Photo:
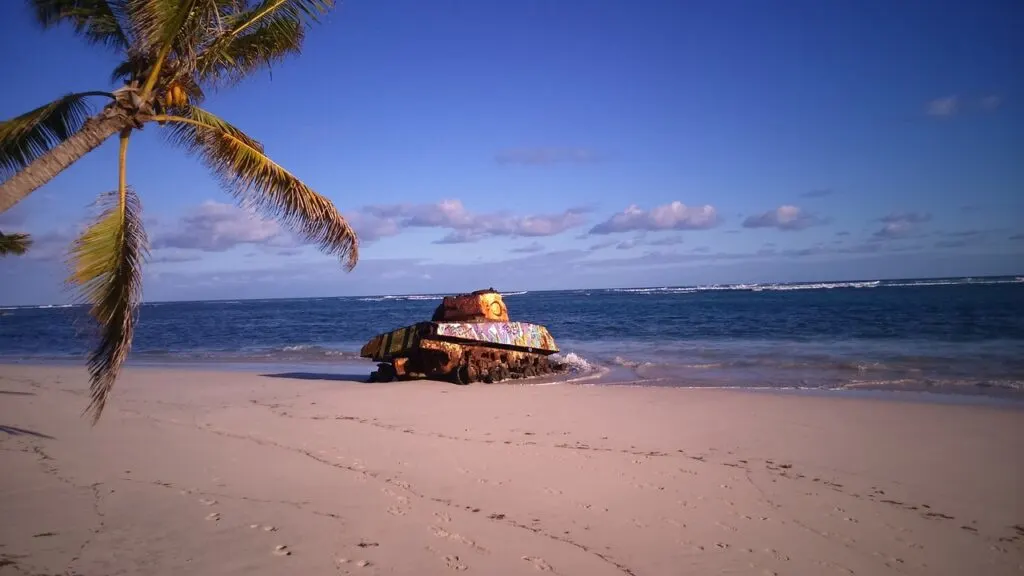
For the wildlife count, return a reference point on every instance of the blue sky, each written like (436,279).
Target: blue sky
(544,145)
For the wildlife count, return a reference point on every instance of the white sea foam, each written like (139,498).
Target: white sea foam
(620,361)
(401,297)
(782,287)
(417,297)
(571,361)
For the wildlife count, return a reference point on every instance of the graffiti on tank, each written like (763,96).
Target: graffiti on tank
(509,333)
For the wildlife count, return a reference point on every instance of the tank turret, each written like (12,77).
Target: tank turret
(479,306)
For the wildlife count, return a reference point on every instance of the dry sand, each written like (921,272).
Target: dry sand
(230,473)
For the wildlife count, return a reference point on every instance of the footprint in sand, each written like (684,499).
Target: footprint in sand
(401,499)
(281,550)
(442,533)
(439,532)
(725,527)
(396,511)
(538,563)
(454,563)
(207,501)
(443,516)
(214,516)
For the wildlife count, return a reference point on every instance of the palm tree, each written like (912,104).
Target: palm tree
(16,244)
(172,52)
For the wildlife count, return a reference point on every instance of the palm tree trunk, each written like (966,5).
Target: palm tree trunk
(93,133)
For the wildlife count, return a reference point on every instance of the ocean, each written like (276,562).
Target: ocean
(960,335)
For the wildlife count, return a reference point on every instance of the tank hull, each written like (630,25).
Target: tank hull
(462,352)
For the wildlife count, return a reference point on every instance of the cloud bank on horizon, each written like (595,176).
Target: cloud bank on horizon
(570,161)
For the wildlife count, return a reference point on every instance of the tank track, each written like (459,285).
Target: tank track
(487,365)
(467,364)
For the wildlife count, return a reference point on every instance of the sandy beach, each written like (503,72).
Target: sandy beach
(232,473)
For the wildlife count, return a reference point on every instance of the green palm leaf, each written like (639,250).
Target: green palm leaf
(98,21)
(29,136)
(159,22)
(247,173)
(257,38)
(14,244)
(106,266)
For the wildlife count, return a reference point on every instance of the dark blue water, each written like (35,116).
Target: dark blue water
(963,335)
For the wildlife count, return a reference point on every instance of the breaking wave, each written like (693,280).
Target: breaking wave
(782,287)
(400,298)
(577,368)
(416,297)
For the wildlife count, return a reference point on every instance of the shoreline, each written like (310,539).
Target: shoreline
(210,472)
(603,376)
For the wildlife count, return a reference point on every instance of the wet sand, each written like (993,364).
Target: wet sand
(195,472)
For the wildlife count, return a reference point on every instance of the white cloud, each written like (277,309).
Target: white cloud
(900,224)
(216,227)
(674,216)
(786,217)
(467,226)
(369,227)
(942,107)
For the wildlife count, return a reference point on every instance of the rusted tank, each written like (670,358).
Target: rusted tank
(468,339)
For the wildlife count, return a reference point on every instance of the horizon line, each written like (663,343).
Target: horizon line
(515,292)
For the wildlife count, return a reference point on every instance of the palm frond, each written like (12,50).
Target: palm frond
(258,38)
(247,173)
(157,22)
(134,67)
(172,31)
(268,9)
(29,136)
(14,244)
(106,267)
(98,21)
(229,61)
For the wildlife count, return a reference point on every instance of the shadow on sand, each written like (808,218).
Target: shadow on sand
(17,393)
(15,431)
(351,378)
